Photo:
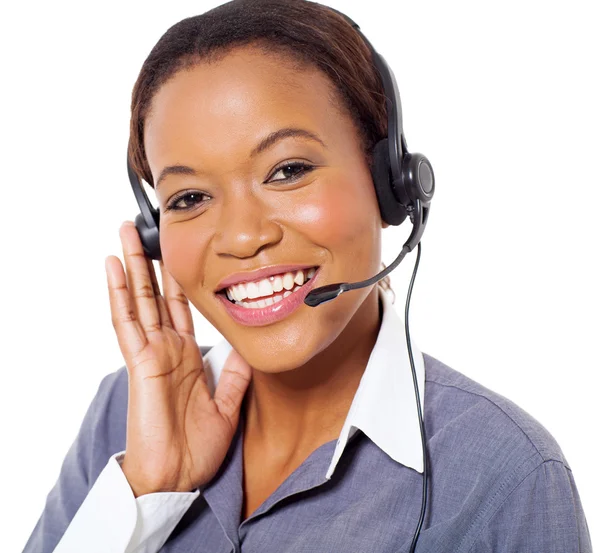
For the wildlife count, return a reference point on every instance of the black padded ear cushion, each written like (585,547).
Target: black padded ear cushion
(149,237)
(392,212)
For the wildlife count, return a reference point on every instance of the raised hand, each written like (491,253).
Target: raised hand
(177,434)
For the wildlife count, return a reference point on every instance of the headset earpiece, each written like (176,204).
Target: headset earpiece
(149,236)
(392,210)
(417,178)
(147,222)
(398,198)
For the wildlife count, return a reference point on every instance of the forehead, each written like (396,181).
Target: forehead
(235,101)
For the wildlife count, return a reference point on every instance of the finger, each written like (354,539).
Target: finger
(130,335)
(179,306)
(165,317)
(138,278)
(233,383)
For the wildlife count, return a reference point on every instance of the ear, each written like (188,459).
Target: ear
(384,224)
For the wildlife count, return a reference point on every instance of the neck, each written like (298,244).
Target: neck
(293,412)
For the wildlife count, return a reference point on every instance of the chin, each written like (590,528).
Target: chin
(267,366)
(281,351)
(277,357)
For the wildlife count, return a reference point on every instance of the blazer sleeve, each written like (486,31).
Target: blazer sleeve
(77,474)
(543,513)
(90,476)
(112,519)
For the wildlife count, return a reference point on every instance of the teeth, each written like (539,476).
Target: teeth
(288,281)
(277,284)
(267,287)
(252,290)
(237,293)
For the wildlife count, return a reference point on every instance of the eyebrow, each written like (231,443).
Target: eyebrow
(263,145)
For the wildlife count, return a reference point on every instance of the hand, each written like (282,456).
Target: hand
(177,434)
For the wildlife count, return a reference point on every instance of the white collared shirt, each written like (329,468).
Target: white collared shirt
(384,408)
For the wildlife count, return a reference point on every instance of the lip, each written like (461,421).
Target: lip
(270,314)
(259,274)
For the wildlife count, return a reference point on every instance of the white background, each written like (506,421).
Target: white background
(503,99)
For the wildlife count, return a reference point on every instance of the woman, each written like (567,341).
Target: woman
(255,124)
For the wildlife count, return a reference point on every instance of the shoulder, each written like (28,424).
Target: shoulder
(113,392)
(109,414)
(483,419)
(498,475)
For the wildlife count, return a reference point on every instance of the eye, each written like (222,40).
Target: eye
(297,168)
(190,198)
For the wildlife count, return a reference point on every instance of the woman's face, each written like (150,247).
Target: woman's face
(245,210)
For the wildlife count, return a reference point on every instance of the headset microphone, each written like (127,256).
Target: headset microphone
(326,293)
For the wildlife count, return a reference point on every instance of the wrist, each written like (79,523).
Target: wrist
(140,487)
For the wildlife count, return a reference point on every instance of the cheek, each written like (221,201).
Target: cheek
(342,216)
(183,254)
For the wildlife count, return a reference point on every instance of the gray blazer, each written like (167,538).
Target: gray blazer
(499,483)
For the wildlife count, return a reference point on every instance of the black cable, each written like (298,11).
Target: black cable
(421,426)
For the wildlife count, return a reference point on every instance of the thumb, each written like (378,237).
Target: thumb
(233,383)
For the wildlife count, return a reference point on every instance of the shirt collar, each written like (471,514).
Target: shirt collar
(384,405)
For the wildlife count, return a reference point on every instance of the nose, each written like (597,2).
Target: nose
(245,226)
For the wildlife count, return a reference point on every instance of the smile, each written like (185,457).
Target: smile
(274,298)
(267,289)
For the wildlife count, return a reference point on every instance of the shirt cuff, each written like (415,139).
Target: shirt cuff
(158,514)
(112,519)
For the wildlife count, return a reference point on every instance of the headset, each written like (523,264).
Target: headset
(404,183)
